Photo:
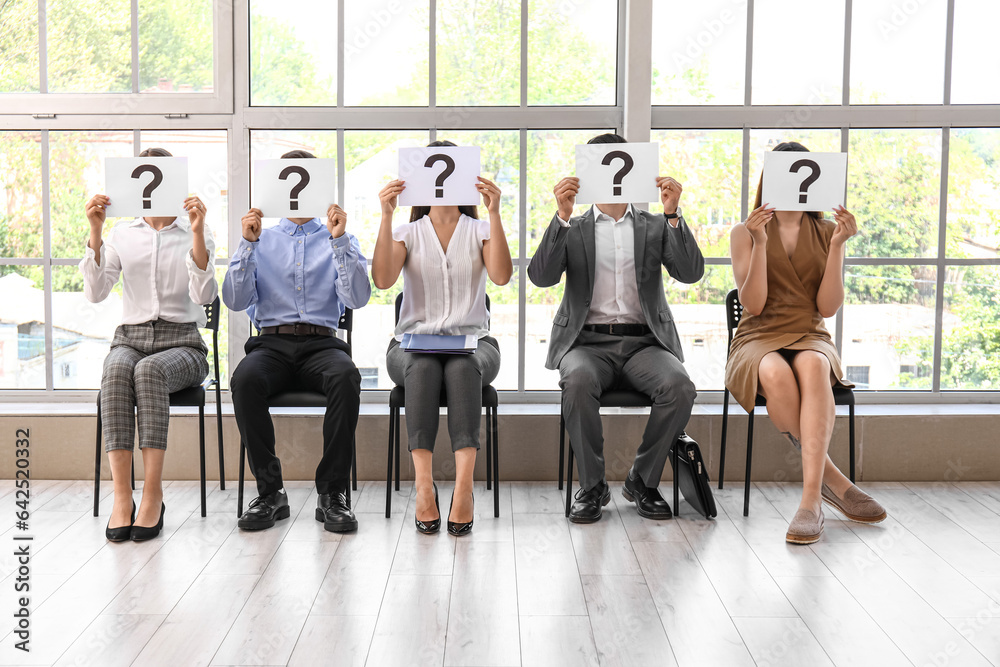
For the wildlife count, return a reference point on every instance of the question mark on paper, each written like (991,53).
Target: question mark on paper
(810,179)
(448,170)
(627,164)
(147,191)
(293,196)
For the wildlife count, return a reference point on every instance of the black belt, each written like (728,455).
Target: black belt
(299,329)
(619,329)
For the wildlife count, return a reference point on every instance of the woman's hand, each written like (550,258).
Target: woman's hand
(847,226)
(490,193)
(389,196)
(196,214)
(756,223)
(96,211)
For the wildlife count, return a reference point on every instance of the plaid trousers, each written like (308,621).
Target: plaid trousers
(146,363)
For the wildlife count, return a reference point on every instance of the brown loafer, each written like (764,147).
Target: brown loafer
(856,505)
(805,527)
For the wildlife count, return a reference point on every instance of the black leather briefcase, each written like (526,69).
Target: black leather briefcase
(692,478)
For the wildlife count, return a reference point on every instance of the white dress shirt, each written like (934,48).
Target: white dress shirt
(443,293)
(616,294)
(161,280)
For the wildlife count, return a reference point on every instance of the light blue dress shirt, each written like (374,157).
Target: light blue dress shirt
(297,273)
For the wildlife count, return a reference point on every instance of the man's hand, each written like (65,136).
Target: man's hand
(252,225)
(565,192)
(96,211)
(196,214)
(847,226)
(670,193)
(336,221)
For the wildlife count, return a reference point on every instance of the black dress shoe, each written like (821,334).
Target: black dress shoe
(335,512)
(143,533)
(649,502)
(264,511)
(459,529)
(121,533)
(589,503)
(434,525)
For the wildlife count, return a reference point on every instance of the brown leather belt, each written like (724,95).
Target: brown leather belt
(619,329)
(299,329)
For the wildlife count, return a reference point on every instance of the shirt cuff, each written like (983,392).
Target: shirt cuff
(341,243)
(192,266)
(563,223)
(245,248)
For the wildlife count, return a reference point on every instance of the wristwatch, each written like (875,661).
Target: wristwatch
(675,214)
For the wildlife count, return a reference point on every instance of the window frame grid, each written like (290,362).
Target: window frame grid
(34,112)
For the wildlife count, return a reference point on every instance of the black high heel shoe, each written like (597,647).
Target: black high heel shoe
(459,529)
(142,533)
(430,527)
(121,533)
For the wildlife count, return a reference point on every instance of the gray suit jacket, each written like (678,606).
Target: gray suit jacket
(571,249)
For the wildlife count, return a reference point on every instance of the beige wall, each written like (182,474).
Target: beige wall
(890,448)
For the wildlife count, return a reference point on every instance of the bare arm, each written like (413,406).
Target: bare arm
(830,296)
(389,255)
(496,253)
(748,247)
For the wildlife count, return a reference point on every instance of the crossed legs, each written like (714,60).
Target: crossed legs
(800,404)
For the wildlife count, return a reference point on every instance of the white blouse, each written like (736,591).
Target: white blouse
(443,293)
(161,279)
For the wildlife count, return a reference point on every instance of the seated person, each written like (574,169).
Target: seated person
(445,254)
(167,273)
(294,280)
(614,329)
(788,267)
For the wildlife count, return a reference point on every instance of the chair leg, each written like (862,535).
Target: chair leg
(133,470)
(851,443)
(239,493)
(201,451)
(222,455)
(489,451)
(393,425)
(354,462)
(725,428)
(746,483)
(562,447)
(674,466)
(97,465)
(496,465)
(397,448)
(569,478)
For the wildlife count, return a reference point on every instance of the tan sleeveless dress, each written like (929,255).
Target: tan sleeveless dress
(790,319)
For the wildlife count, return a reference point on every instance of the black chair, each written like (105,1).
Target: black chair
(841,396)
(305,399)
(613,398)
(397,399)
(190,397)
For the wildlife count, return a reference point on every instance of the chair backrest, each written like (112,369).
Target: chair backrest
(346,323)
(399,304)
(212,315)
(734,312)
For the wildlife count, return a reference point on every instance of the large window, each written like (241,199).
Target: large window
(225,82)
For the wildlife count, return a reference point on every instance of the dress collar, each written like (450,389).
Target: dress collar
(289,227)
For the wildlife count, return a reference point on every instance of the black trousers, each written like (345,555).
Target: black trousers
(276,363)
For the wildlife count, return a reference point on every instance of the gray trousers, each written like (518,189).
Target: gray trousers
(599,362)
(462,375)
(146,363)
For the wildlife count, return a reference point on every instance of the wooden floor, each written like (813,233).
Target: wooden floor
(923,588)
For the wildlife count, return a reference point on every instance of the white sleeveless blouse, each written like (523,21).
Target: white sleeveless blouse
(443,293)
